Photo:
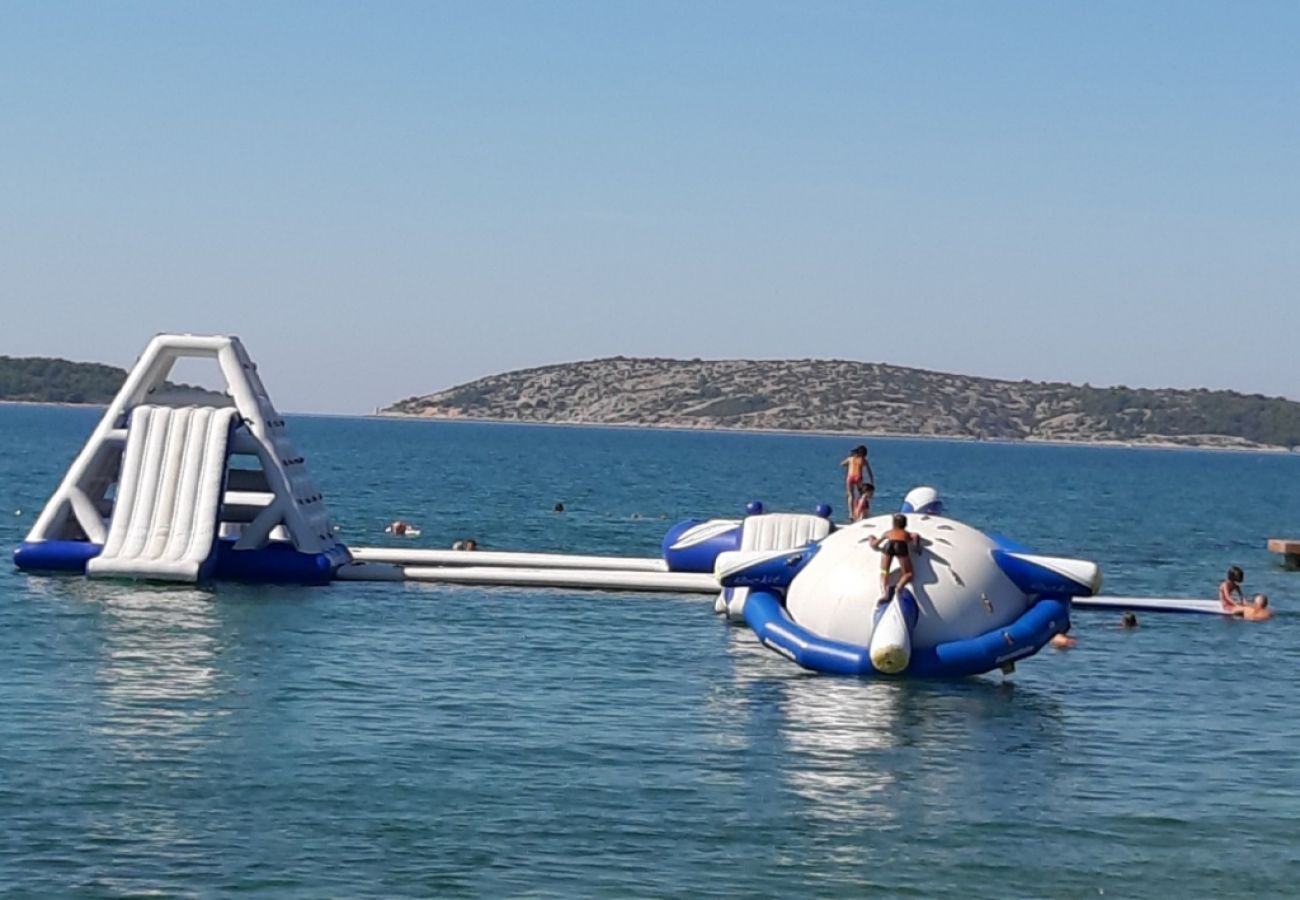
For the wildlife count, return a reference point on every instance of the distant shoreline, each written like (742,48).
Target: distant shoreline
(64,403)
(891,435)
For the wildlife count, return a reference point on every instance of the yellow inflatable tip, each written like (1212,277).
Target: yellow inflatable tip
(890,660)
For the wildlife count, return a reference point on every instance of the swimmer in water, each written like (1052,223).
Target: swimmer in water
(1130,620)
(896,543)
(1063,641)
(1232,586)
(859,473)
(1256,611)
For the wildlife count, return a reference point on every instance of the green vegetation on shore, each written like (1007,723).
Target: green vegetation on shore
(842,395)
(38,379)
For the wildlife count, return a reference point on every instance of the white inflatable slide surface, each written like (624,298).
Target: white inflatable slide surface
(164,524)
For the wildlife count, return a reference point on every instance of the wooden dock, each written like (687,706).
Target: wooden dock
(1290,550)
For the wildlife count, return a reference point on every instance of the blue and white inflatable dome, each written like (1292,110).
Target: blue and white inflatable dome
(975,604)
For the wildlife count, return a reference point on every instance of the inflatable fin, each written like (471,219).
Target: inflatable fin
(736,599)
(924,501)
(700,533)
(769,569)
(720,604)
(1055,575)
(891,639)
(731,603)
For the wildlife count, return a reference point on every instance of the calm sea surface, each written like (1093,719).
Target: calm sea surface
(393,740)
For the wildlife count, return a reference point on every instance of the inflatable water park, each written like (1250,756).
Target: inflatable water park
(167,490)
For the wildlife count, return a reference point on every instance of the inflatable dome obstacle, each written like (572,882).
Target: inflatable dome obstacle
(168,490)
(975,603)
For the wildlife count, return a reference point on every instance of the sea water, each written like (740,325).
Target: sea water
(394,740)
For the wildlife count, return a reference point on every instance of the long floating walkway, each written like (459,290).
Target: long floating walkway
(671,582)
(1151,604)
(477,558)
(506,569)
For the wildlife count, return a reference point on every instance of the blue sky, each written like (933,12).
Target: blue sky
(385,199)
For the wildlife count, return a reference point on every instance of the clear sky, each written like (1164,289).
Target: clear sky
(385,199)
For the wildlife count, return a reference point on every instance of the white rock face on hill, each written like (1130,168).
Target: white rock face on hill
(859,397)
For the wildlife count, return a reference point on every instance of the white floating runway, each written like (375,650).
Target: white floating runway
(1152,604)
(603,580)
(403,556)
(503,569)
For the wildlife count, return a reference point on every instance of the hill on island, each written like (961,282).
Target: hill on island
(39,379)
(862,398)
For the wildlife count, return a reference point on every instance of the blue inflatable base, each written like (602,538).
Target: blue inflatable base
(274,564)
(55,556)
(698,557)
(765,613)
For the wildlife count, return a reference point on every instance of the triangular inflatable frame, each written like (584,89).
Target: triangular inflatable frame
(272,522)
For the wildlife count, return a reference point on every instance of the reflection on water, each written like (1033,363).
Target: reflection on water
(150,691)
(839,736)
(157,666)
(156,649)
(871,753)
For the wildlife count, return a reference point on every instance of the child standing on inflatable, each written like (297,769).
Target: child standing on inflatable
(862,505)
(896,543)
(854,480)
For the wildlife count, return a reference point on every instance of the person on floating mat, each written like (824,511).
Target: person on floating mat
(1232,586)
(859,474)
(896,543)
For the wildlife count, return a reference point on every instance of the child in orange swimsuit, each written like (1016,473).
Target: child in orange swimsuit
(858,467)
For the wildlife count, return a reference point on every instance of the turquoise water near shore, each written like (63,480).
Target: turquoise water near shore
(416,740)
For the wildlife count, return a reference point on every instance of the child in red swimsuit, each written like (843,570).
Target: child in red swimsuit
(862,505)
(1232,585)
(854,481)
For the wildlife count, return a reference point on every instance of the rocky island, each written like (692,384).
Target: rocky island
(818,395)
(43,379)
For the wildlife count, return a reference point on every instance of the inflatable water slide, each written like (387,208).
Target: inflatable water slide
(166,490)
